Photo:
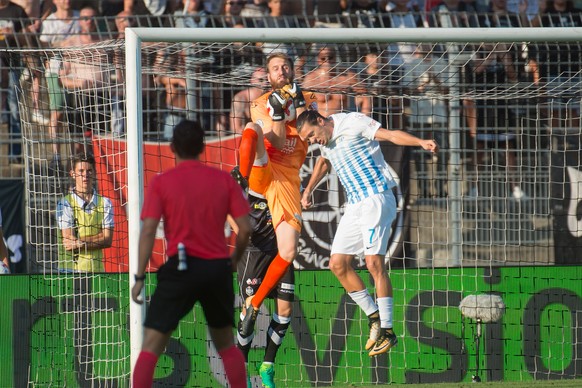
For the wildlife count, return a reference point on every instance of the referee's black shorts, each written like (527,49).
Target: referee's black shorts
(251,270)
(206,281)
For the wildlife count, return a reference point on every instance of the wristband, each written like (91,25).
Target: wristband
(139,278)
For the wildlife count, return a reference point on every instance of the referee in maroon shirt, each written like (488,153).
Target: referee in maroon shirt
(194,200)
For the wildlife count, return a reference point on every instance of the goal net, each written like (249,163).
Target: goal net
(506,120)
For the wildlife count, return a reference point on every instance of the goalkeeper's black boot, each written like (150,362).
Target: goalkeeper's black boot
(241,180)
(247,325)
(387,341)
(375,330)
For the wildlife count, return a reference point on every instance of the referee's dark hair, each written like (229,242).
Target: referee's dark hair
(310,117)
(188,139)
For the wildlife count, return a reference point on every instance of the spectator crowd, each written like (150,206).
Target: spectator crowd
(69,23)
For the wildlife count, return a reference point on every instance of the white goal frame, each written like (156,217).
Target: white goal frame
(136,36)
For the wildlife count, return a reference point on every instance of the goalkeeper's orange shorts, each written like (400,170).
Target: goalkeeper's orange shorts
(280,186)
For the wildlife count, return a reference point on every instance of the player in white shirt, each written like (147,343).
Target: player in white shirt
(349,144)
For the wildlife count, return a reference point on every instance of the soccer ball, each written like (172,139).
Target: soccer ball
(3,268)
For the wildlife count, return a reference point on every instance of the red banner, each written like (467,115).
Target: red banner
(111,158)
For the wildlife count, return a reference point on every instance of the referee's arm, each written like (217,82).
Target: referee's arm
(147,238)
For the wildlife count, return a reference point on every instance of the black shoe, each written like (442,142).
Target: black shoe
(241,180)
(247,325)
(387,341)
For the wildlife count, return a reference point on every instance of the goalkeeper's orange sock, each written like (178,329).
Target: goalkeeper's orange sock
(247,151)
(143,372)
(234,366)
(275,273)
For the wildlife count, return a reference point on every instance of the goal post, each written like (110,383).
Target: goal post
(135,183)
(136,36)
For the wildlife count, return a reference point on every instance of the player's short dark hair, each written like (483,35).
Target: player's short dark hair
(188,139)
(310,117)
(82,157)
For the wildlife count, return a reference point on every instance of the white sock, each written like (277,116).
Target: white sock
(364,300)
(385,307)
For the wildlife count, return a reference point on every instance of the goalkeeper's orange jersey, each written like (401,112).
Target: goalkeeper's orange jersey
(279,180)
(293,153)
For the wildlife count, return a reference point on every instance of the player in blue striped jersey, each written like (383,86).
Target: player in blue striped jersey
(349,144)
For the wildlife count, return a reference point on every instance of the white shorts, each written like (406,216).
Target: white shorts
(365,226)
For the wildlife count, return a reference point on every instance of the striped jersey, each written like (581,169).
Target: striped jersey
(356,157)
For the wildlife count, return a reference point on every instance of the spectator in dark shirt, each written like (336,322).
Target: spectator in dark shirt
(493,123)
(499,16)
(453,13)
(150,13)
(363,13)
(556,66)
(13,21)
(558,62)
(231,12)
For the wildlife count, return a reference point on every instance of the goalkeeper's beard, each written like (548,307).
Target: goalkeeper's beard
(278,85)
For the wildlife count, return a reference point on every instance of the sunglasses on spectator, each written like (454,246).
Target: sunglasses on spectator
(241,3)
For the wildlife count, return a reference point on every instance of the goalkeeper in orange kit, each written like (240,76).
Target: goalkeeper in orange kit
(271,155)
